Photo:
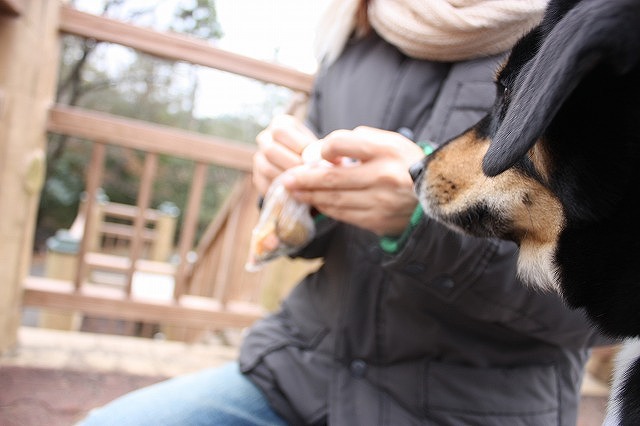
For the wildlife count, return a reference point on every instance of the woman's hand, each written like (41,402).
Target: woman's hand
(374,192)
(279,149)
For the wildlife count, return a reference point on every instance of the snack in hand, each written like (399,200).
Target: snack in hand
(284,226)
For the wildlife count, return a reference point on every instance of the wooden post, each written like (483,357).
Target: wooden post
(188,234)
(162,245)
(96,219)
(28,64)
(61,263)
(139,222)
(94,179)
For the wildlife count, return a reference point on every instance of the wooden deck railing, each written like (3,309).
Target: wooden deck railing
(210,287)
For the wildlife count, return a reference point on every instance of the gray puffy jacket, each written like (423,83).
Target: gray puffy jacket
(439,333)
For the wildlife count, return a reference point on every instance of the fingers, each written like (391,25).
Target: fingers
(356,144)
(279,149)
(372,174)
(382,212)
(332,200)
(372,200)
(264,172)
(279,155)
(367,143)
(376,193)
(291,133)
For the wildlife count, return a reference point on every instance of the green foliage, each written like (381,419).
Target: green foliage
(198,18)
(61,194)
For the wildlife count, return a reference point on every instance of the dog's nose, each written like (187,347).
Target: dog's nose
(416,170)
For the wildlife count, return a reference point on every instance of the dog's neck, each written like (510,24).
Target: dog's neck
(536,266)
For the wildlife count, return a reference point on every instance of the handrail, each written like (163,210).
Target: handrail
(149,137)
(178,47)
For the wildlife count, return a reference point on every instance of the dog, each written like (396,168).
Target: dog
(555,167)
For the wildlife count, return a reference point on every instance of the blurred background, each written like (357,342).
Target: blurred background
(108,77)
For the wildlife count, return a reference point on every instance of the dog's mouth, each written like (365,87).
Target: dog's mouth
(481,221)
(507,207)
(442,196)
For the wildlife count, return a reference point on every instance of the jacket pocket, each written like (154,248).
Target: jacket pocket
(290,362)
(462,395)
(276,332)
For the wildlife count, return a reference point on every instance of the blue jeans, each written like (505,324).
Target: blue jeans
(218,396)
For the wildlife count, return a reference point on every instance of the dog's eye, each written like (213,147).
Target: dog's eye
(503,90)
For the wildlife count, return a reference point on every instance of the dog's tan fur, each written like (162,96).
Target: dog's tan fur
(454,183)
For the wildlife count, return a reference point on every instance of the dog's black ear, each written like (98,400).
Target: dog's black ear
(555,11)
(594,33)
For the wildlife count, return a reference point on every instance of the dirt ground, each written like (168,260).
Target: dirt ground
(53,378)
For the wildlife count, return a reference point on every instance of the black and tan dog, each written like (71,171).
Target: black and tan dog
(555,166)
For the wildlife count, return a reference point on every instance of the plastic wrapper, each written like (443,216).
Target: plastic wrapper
(284,226)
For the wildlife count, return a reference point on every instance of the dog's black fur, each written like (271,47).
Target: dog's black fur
(557,166)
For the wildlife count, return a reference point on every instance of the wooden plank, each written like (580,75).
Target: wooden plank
(222,251)
(149,137)
(245,285)
(104,302)
(114,263)
(127,211)
(94,172)
(125,232)
(29,47)
(153,266)
(215,226)
(178,47)
(230,248)
(187,236)
(107,262)
(139,222)
(11,7)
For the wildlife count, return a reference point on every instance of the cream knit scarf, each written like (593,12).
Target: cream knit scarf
(438,30)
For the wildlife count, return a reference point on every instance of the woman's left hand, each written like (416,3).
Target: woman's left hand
(370,186)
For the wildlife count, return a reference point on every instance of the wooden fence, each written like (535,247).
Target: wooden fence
(211,289)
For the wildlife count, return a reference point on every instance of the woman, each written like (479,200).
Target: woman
(406,322)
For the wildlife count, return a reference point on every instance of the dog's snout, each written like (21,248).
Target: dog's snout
(416,170)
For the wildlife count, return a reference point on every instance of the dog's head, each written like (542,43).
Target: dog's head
(555,166)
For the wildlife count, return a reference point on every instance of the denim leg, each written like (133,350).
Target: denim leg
(219,396)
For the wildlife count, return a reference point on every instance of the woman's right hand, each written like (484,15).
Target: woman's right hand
(280,146)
